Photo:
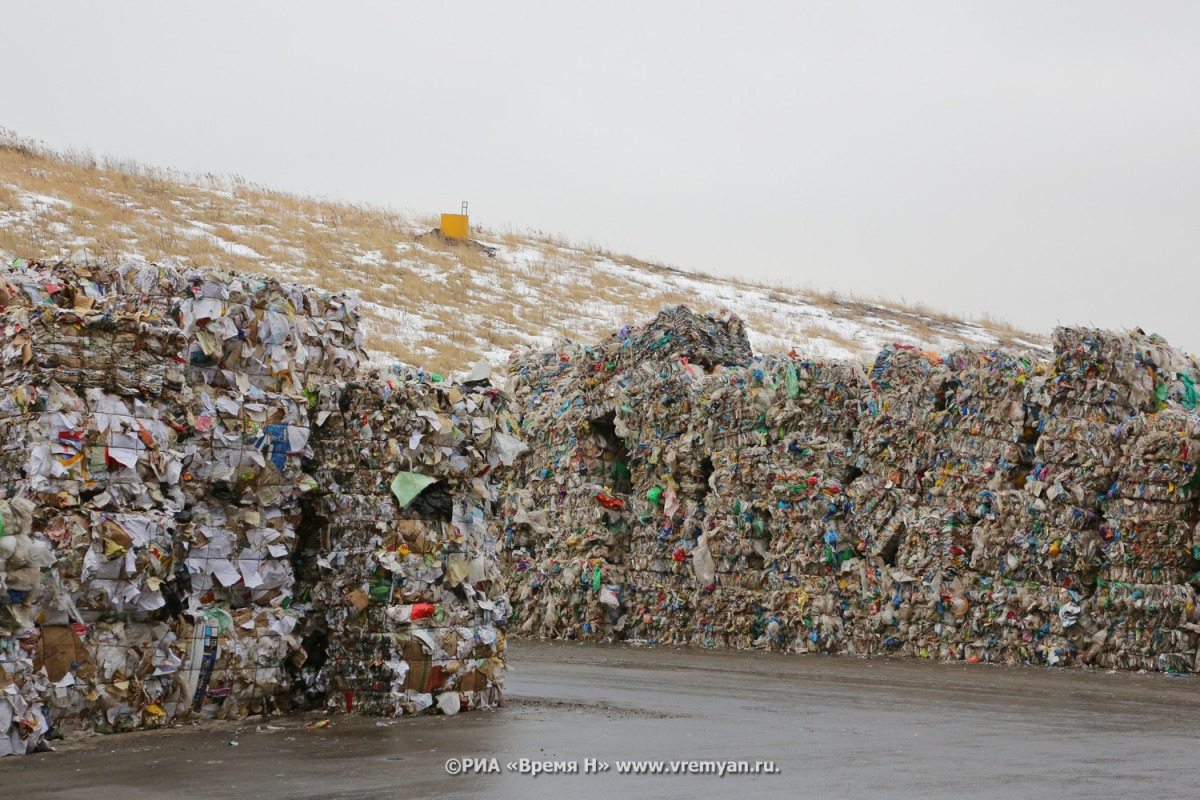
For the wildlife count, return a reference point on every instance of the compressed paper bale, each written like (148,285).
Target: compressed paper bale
(275,336)
(195,480)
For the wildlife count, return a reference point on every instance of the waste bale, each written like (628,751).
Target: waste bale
(1019,541)
(680,333)
(137,327)
(1113,374)
(1150,511)
(979,430)
(952,507)
(406,591)
(24,561)
(160,511)
(1143,626)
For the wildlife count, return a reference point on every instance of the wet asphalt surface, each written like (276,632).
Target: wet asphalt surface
(834,727)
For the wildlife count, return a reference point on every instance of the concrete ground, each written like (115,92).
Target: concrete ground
(834,727)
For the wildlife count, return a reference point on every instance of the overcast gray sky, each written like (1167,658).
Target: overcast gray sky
(1039,161)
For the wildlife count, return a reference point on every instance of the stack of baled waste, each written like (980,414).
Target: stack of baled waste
(1150,509)
(1142,615)
(1092,385)
(1004,575)
(1115,404)
(670,492)
(158,419)
(892,453)
(566,506)
(781,437)
(662,396)
(23,560)
(406,579)
(576,523)
(941,507)
(904,536)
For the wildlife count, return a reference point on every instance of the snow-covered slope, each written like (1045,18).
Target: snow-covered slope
(428,301)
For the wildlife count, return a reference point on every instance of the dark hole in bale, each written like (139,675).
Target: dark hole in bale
(85,495)
(301,671)
(315,645)
(1031,430)
(435,502)
(892,547)
(174,590)
(939,403)
(703,488)
(615,456)
(308,541)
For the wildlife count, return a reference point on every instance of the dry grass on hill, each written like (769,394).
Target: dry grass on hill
(430,301)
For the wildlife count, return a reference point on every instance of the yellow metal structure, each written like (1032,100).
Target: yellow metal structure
(457,226)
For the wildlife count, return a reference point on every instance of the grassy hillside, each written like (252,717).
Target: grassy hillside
(428,301)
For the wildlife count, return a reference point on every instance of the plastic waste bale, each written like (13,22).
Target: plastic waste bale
(977,433)
(1019,542)
(1148,530)
(1142,626)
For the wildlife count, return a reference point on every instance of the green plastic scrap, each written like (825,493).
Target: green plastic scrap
(654,494)
(222,617)
(1190,397)
(407,485)
(793,382)
(380,590)
(619,470)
